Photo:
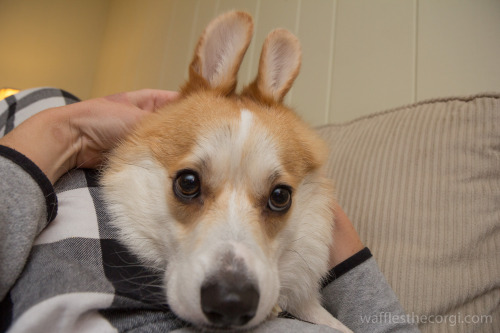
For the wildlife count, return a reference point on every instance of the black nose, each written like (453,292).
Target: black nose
(229,300)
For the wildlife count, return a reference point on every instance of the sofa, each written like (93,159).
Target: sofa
(421,184)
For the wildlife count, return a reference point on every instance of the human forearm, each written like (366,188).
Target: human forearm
(47,139)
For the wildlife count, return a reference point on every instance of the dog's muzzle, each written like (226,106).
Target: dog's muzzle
(230,296)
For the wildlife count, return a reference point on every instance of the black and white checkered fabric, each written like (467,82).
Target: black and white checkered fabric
(76,265)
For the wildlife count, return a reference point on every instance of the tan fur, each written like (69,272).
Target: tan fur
(242,147)
(171,133)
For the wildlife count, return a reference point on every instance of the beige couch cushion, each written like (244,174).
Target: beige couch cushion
(421,183)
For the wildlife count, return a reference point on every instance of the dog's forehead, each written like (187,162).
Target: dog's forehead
(231,137)
(237,149)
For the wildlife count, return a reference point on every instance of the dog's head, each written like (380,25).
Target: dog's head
(223,191)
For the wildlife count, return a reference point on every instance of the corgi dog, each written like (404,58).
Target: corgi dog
(224,193)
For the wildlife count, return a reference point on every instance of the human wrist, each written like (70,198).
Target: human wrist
(346,241)
(48,139)
(346,266)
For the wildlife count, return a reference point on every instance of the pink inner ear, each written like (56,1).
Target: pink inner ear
(223,47)
(280,63)
(284,61)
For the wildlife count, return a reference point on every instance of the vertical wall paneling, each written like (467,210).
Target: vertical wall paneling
(459,47)
(252,55)
(312,88)
(151,44)
(245,5)
(295,30)
(359,56)
(330,72)
(177,46)
(194,33)
(372,58)
(120,48)
(414,53)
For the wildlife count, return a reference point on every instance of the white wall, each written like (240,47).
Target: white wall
(359,56)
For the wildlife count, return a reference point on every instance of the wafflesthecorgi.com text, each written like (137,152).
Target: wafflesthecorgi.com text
(452,319)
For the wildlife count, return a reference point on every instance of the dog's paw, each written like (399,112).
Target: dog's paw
(276,311)
(317,314)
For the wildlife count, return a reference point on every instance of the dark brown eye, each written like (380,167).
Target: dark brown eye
(280,199)
(187,185)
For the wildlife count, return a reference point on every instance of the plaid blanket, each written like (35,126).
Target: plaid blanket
(76,264)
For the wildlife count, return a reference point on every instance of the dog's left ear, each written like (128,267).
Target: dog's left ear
(278,67)
(219,53)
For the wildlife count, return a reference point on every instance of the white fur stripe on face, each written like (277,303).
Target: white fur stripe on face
(246,121)
(225,148)
(236,150)
(245,125)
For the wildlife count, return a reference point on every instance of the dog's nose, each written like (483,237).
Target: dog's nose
(229,300)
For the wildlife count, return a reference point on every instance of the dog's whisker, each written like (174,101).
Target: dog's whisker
(300,256)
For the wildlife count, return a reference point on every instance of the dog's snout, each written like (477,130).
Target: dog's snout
(231,299)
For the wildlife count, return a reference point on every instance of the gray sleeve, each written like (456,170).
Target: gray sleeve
(28,203)
(363,301)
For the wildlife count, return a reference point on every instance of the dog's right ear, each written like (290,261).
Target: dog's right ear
(219,53)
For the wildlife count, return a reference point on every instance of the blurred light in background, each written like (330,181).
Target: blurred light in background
(6,92)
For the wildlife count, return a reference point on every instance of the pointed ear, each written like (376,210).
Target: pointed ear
(278,67)
(219,53)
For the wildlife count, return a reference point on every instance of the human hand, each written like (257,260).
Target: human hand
(346,241)
(102,122)
(77,135)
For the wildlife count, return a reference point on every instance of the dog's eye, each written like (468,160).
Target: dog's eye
(280,199)
(187,185)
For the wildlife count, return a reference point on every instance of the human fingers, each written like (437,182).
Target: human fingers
(151,99)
